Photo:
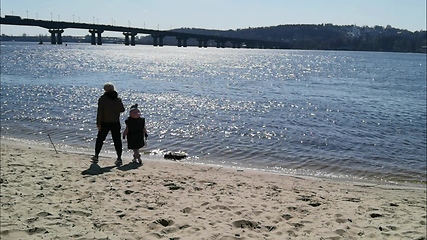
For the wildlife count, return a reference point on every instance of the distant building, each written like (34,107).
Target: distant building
(354,32)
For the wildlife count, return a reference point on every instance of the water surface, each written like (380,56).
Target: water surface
(350,115)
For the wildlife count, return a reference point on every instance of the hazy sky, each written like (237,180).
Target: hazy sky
(215,14)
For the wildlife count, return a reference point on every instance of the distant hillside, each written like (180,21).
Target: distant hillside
(330,37)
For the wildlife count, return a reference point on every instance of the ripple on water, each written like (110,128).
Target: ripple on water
(308,112)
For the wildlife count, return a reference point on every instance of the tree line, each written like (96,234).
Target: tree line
(330,37)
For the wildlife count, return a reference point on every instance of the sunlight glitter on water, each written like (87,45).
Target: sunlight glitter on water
(315,112)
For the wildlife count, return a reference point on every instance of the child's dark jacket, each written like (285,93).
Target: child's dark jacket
(136,132)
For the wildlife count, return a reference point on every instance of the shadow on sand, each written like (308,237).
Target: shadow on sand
(95,169)
(129,166)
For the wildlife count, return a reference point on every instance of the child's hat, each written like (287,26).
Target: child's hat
(134,107)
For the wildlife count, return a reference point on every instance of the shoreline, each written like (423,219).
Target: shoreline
(156,156)
(50,195)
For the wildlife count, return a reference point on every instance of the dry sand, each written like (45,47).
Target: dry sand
(45,195)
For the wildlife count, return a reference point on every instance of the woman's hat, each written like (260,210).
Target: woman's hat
(108,87)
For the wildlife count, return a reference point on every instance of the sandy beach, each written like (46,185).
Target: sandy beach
(49,195)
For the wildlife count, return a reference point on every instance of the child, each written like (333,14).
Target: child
(135,132)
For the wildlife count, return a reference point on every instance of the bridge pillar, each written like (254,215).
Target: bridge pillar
(157,40)
(161,41)
(52,36)
(203,42)
(59,36)
(55,36)
(220,44)
(92,38)
(236,44)
(132,38)
(99,36)
(182,41)
(126,38)
(96,39)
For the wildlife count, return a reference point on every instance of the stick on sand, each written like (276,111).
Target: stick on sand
(52,143)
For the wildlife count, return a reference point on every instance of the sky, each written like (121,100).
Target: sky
(214,14)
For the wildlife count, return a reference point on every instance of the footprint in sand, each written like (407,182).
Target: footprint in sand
(245,224)
(164,222)
(186,210)
(375,215)
(22,234)
(286,216)
(44,214)
(77,212)
(36,230)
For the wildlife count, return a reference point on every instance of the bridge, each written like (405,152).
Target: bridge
(56,29)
